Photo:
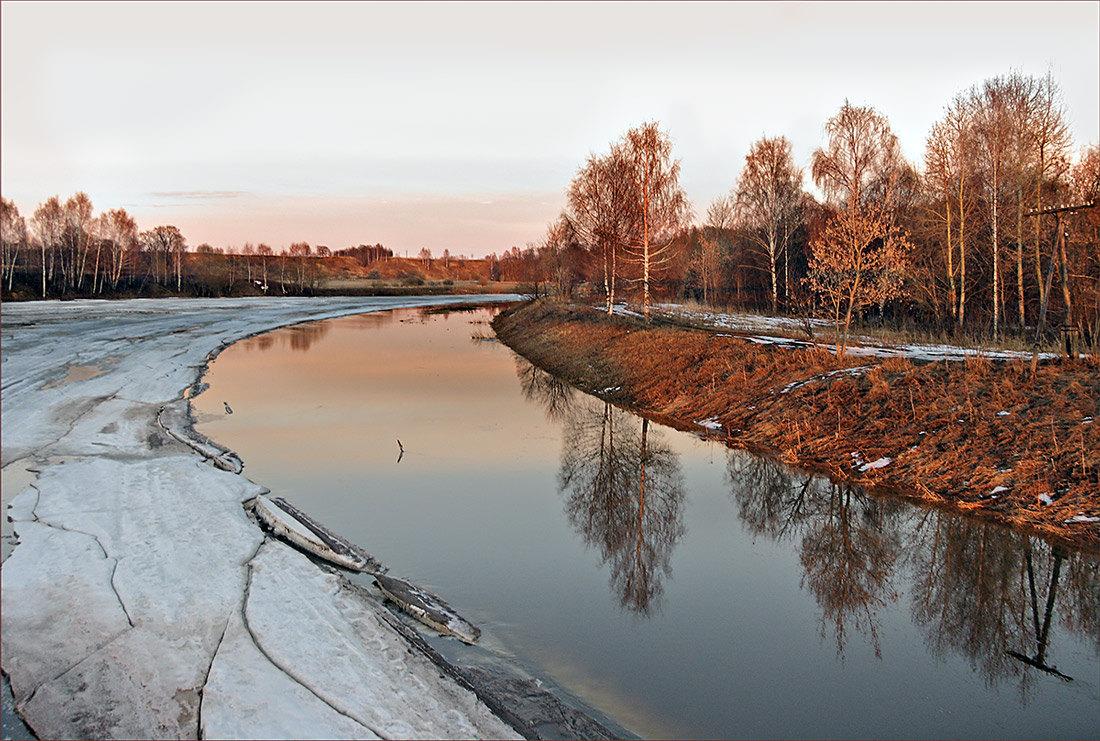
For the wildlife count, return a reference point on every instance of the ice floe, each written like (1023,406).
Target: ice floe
(140,587)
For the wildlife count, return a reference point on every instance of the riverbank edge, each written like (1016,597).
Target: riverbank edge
(522,703)
(80,401)
(982,438)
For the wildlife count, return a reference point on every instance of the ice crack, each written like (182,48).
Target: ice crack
(107,556)
(259,647)
(206,674)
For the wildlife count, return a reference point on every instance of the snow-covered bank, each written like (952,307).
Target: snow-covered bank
(757,328)
(141,601)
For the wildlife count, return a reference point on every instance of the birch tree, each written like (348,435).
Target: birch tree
(769,200)
(48,224)
(13,234)
(993,132)
(168,242)
(119,231)
(597,216)
(655,206)
(77,239)
(948,174)
(1051,141)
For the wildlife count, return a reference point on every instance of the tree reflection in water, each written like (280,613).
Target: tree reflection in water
(849,540)
(553,394)
(993,596)
(624,492)
(299,337)
(977,590)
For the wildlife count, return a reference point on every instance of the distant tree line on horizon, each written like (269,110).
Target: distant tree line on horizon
(963,243)
(65,250)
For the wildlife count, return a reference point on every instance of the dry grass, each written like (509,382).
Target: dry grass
(955,432)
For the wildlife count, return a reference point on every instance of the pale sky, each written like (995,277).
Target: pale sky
(458,125)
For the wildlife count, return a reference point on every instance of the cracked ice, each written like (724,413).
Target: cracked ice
(141,600)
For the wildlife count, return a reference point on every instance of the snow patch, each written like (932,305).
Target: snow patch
(880,463)
(711,423)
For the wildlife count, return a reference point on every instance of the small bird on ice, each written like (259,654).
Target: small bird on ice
(227,409)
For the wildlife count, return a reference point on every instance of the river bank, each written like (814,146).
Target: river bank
(140,600)
(978,436)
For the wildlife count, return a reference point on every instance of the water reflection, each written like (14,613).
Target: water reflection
(623,488)
(554,395)
(624,494)
(299,337)
(992,596)
(979,591)
(558,537)
(849,540)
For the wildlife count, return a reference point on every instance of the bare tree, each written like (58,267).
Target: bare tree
(769,201)
(76,239)
(861,259)
(264,251)
(597,216)
(168,242)
(655,204)
(993,132)
(862,254)
(119,231)
(48,223)
(948,169)
(562,256)
(862,150)
(13,231)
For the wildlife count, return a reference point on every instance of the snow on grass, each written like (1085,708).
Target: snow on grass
(757,327)
(1081,518)
(858,371)
(880,463)
(711,423)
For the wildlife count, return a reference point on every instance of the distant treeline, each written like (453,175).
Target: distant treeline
(67,251)
(995,226)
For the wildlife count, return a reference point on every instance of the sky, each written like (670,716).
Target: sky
(459,125)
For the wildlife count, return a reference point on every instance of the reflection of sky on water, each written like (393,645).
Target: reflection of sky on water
(732,597)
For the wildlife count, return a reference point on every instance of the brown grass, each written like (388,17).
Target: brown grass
(938,422)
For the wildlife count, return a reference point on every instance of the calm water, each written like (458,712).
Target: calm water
(728,596)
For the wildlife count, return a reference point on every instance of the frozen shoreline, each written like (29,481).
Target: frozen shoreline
(141,601)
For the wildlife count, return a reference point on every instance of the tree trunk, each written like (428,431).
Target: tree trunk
(996,265)
(771,268)
(1020,250)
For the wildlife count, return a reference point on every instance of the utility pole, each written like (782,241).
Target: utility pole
(1069,329)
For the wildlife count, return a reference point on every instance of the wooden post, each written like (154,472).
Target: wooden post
(1069,329)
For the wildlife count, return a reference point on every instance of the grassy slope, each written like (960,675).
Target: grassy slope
(938,422)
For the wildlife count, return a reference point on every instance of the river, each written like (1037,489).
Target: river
(678,588)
